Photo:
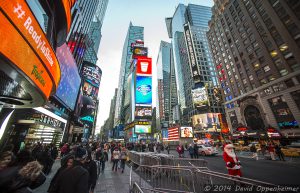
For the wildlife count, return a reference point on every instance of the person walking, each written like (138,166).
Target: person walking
(180,150)
(279,152)
(73,179)
(254,151)
(191,151)
(168,148)
(196,151)
(91,166)
(123,157)
(271,149)
(115,159)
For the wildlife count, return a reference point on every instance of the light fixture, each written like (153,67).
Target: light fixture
(273,53)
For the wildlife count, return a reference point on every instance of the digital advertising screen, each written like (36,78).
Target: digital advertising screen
(143,112)
(70,80)
(140,51)
(90,90)
(140,129)
(91,73)
(144,66)
(186,132)
(143,91)
(200,98)
(206,121)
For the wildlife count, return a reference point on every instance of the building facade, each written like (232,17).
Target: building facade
(134,33)
(193,64)
(255,47)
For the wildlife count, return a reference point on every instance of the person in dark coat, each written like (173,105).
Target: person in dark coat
(91,166)
(73,179)
(191,151)
(19,179)
(196,151)
(279,152)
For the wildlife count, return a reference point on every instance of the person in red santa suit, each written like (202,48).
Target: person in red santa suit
(232,163)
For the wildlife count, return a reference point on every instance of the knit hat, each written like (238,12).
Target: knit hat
(80,153)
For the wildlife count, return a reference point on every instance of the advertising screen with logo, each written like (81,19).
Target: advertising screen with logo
(91,73)
(140,129)
(70,80)
(206,121)
(186,132)
(200,98)
(139,51)
(143,112)
(143,91)
(144,66)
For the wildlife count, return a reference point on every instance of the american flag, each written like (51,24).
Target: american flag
(173,134)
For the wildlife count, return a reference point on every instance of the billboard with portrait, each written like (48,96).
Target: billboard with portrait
(140,129)
(143,90)
(206,121)
(90,90)
(200,98)
(186,132)
(70,80)
(143,112)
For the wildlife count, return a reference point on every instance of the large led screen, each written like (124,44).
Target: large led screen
(144,66)
(143,112)
(91,73)
(140,129)
(90,91)
(70,80)
(143,91)
(207,121)
(200,98)
(186,132)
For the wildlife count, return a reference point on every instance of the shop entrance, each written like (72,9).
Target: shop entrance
(253,118)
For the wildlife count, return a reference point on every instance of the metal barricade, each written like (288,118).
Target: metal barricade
(136,188)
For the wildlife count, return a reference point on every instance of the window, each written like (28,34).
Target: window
(296,96)
(267,68)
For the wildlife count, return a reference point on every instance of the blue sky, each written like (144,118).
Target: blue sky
(151,15)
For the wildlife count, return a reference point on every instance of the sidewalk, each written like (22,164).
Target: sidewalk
(115,182)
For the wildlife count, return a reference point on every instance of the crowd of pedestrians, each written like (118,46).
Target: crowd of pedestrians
(80,166)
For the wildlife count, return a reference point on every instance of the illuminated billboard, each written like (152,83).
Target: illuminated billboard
(68,87)
(140,129)
(143,90)
(139,51)
(200,98)
(206,121)
(143,112)
(144,66)
(90,91)
(22,40)
(186,132)
(91,73)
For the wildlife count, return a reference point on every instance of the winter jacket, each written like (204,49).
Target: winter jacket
(91,167)
(74,179)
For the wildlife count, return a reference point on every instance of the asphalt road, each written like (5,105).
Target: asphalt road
(275,172)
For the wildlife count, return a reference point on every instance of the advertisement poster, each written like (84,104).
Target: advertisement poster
(143,91)
(206,121)
(164,134)
(139,129)
(140,51)
(144,66)
(90,91)
(200,98)
(70,80)
(143,112)
(91,73)
(186,132)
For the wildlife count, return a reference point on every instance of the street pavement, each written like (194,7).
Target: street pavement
(108,181)
(276,172)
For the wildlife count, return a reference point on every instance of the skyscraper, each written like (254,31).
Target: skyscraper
(256,46)
(193,63)
(134,33)
(164,84)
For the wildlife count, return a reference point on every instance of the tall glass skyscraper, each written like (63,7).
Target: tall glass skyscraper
(134,33)
(193,64)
